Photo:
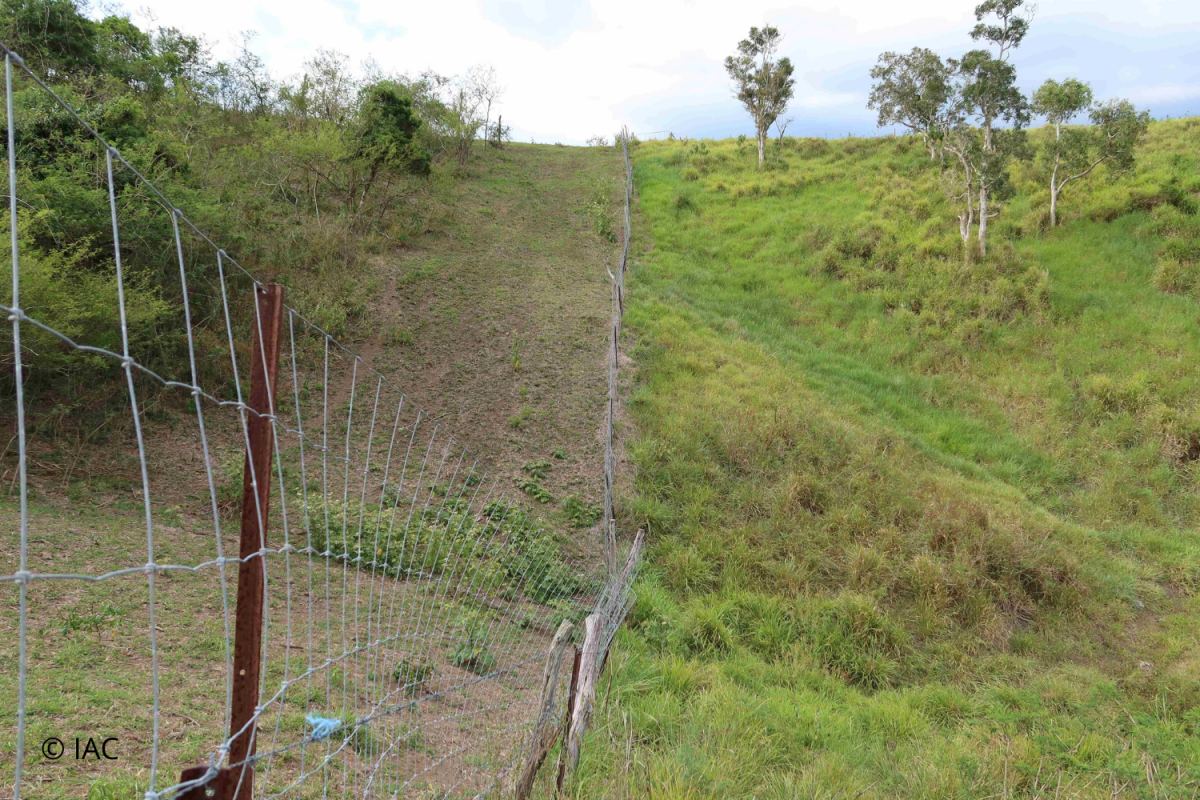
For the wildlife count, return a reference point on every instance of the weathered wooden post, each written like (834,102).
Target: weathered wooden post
(585,699)
(571,693)
(545,730)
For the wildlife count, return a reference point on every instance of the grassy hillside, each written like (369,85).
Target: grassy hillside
(922,527)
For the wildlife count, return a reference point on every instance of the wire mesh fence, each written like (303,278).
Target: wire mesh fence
(309,586)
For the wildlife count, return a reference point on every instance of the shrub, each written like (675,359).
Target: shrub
(855,638)
(686,570)
(1176,277)
(471,653)
(579,513)
(65,289)
(683,203)
(704,629)
(534,489)
(412,677)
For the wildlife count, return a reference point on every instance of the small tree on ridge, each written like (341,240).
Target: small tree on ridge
(763,84)
(913,89)
(1075,152)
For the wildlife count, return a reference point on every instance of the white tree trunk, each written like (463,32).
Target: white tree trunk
(762,137)
(983,220)
(1055,188)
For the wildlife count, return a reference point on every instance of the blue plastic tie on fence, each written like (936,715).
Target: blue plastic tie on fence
(322,727)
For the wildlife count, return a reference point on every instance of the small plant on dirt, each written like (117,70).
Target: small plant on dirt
(599,209)
(537,470)
(413,739)
(496,510)
(397,336)
(472,653)
(534,489)
(519,421)
(514,353)
(106,616)
(560,453)
(361,737)
(579,513)
(413,678)
(229,482)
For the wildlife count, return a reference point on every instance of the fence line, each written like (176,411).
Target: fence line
(473,586)
(614,356)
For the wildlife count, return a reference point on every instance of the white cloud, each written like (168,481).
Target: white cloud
(575,68)
(1167,94)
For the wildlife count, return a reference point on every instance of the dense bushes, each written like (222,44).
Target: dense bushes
(300,181)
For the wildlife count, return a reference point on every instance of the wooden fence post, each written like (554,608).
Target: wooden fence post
(589,660)
(256,497)
(545,731)
(571,693)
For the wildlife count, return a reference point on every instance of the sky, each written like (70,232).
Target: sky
(578,68)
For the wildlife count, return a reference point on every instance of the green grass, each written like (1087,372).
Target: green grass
(921,526)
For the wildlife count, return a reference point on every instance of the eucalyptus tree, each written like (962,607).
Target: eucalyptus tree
(988,98)
(913,90)
(1074,153)
(1008,29)
(762,82)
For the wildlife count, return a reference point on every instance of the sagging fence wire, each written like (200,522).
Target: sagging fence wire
(385,636)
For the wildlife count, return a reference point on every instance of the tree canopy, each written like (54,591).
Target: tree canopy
(913,90)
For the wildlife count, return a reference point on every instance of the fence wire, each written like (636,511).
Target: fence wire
(408,599)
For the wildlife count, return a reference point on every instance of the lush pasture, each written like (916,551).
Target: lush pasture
(922,525)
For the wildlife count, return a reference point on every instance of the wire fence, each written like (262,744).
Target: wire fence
(385,635)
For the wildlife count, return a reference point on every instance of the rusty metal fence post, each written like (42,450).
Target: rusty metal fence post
(237,782)
(256,499)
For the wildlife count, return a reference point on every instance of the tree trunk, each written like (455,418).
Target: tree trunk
(1054,190)
(930,145)
(983,220)
(761,144)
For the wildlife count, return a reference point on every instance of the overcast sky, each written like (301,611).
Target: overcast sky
(575,68)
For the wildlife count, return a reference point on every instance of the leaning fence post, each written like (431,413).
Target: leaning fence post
(256,496)
(571,694)
(585,696)
(545,731)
